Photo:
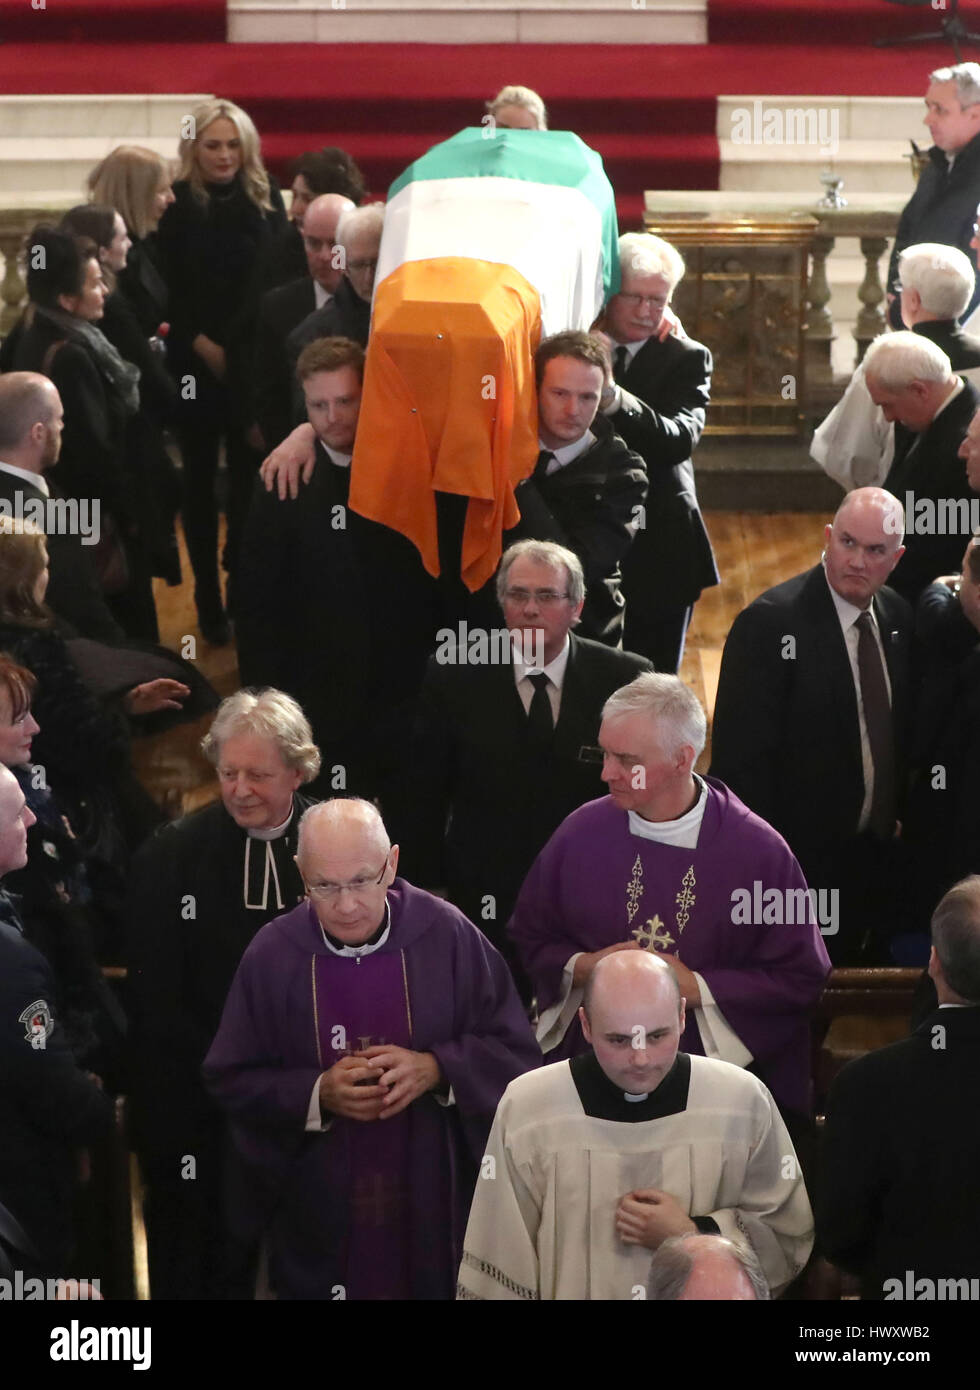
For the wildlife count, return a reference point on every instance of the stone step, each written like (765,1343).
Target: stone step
(30,167)
(468,21)
(131,119)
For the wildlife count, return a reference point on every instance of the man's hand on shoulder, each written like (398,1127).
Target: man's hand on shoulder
(350,1088)
(406,1075)
(292,460)
(649,1217)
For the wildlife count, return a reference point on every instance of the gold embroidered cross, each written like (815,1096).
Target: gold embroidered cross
(650,938)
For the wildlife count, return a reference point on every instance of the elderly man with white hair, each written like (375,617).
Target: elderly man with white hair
(705,1268)
(812,718)
(199,891)
(942,208)
(368,1036)
(855,444)
(674,863)
(913,382)
(656,401)
(348,314)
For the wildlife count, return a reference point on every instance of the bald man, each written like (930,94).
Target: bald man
(594,1163)
(367,1038)
(811,720)
(699,1269)
(284,308)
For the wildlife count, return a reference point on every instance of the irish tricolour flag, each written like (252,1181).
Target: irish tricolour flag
(491,240)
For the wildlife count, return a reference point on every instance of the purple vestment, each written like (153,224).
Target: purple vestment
(595,883)
(436,985)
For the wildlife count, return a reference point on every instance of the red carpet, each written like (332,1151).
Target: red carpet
(113,21)
(653,122)
(822,22)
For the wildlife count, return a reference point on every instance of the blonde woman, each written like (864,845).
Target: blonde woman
(136,183)
(225,212)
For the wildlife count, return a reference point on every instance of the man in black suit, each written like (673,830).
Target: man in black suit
(897,1203)
(333,606)
(283,308)
(31,419)
(911,380)
(943,206)
(588,489)
(505,742)
(656,401)
(811,717)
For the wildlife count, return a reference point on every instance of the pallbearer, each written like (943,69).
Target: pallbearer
(367,1039)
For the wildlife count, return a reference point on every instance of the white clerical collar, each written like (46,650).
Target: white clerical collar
(555,669)
(568,452)
(35,479)
(335,456)
(321,295)
(683,831)
(631,348)
(276,833)
(633,1099)
(368,946)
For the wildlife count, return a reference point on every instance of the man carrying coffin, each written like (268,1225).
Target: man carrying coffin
(594,1163)
(367,1039)
(675,863)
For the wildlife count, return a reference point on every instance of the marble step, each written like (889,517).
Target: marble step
(131,119)
(468,21)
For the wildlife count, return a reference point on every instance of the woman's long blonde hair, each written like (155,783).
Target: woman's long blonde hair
(254,177)
(127,180)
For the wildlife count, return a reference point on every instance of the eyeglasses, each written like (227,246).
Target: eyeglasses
(356,885)
(656,301)
(544,598)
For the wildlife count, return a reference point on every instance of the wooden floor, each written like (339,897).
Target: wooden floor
(754,551)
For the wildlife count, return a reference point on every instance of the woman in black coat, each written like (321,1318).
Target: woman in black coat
(58,336)
(225,213)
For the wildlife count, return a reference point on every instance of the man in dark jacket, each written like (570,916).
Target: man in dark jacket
(656,401)
(943,206)
(811,718)
(49,1107)
(588,488)
(897,1203)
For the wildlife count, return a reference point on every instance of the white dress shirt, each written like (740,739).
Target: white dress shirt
(35,479)
(848,615)
(555,671)
(567,453)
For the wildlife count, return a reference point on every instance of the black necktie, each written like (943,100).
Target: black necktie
(620,365)
(541,467)
(540,719)
(878,722)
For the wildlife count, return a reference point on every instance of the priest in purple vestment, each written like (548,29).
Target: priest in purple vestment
(367,1038)
(675,863)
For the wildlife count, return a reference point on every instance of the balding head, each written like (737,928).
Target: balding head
(701,1268)
(15,820)
(863,544)
(320,223)
(633,1015)
(30,421)
(348,863)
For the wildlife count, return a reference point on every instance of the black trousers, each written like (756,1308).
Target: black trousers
(202,424)
(660,640)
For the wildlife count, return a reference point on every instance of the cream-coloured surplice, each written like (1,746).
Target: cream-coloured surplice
(542,1224)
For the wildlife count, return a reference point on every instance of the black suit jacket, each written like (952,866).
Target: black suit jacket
(901,1152)
(280,310)
(592,506)
(786,736)
(74,592)
(472,762)
(931,471)
(942,208)
(667,389)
